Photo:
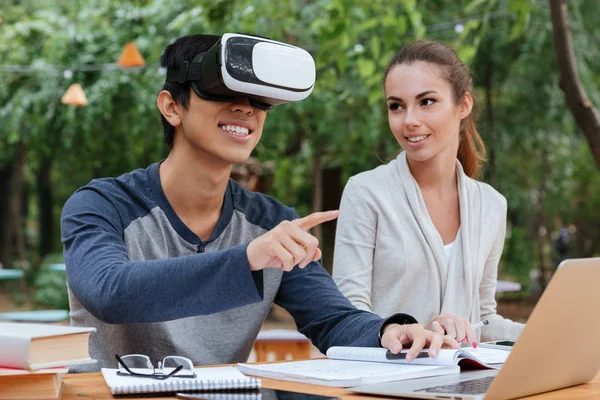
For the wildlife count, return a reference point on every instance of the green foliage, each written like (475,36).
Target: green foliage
(50,290)
(543,165)
(522,9)
(584,201)
(518,257)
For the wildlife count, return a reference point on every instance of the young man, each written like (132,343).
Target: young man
(177,259)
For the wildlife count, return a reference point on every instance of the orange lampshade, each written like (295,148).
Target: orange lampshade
(74,96)
(131,57)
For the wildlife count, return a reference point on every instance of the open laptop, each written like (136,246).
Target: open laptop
(559,347)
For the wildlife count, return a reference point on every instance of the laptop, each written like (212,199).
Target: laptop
(559,347)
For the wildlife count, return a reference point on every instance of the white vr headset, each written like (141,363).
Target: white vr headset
(265,71)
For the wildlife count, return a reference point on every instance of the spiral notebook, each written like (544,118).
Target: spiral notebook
(207,379)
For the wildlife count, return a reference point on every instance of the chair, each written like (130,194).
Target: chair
(36,316)
(283,343)
(6,274)
(58,268)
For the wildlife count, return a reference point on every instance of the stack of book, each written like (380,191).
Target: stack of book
(34,357)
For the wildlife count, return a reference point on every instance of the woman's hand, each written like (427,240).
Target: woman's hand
(455,327)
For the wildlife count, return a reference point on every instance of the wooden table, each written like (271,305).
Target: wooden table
(91,386)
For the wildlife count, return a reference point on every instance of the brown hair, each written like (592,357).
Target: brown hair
(471,150)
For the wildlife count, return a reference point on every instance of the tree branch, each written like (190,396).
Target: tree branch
(585,114)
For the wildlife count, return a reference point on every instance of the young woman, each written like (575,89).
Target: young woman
(420,232)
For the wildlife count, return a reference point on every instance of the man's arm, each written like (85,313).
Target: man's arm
(319,309)
(117,290)
(322,313)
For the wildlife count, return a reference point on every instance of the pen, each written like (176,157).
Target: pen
(480,324)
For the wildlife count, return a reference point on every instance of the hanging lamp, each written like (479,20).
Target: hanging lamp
(74,96)
(131,57)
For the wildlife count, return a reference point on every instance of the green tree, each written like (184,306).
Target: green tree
(47,150)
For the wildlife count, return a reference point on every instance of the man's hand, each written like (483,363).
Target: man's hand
(288,244)
(454,326)
(396,337)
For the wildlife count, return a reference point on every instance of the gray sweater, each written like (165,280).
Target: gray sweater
(150,285)
(389,257)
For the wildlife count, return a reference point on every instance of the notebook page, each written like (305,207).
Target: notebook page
(488,356)
(342,372)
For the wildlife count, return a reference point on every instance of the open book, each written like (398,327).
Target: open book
(343,373)
(467,357)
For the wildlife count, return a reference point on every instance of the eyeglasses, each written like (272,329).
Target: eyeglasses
(139,365)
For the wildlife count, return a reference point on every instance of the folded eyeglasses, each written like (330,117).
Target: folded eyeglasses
(139,365)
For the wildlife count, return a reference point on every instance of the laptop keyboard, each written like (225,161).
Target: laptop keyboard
(475,386)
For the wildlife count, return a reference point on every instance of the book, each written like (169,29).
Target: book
(262,394)
(39,346)
(343,373)
(20,384)
(466,357)
(207,379)
(222,395)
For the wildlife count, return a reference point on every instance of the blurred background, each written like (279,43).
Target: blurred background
(540,156)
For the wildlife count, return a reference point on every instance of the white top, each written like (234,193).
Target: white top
(448,248)
(390,258)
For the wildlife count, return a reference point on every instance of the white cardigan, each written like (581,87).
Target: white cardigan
(389,257)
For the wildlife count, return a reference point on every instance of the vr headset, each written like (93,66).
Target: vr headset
(265,71)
